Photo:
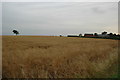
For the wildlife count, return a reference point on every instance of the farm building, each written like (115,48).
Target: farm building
(103,35)
(72,36)
(88,35)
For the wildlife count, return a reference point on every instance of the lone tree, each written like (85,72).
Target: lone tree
(15,32)
(60,35)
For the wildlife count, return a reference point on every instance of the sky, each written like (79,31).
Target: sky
(55,18)
(60,0)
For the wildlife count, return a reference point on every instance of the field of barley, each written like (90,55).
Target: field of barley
(58,57)
(0,57)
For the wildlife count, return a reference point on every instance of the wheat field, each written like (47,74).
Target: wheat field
(58,57)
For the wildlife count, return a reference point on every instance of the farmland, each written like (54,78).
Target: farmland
(58,57)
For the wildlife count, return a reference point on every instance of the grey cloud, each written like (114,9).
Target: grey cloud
(58,18)
(98,10)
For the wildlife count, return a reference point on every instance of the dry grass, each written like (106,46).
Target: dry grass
(58,57)
(0,57)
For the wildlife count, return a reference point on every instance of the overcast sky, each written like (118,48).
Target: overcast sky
(55,18)
(60,0)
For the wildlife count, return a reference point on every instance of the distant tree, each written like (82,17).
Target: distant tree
(110,34)
(114,34)
(104,33)
(95,34)
(15,32)
(118,35)
(80,35)
(60,35)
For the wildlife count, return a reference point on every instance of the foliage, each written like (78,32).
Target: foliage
(15,32)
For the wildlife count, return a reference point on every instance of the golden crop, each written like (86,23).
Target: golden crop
(58,57)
